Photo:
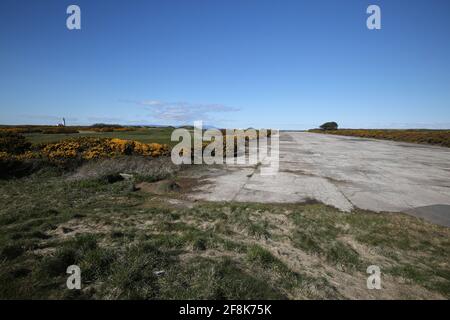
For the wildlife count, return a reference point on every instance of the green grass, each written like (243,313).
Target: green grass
(133,245)
(145,135)
(222,278)
(317,232)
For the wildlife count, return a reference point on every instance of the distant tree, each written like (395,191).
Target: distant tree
(329,126)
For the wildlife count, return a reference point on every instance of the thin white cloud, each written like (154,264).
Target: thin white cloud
(182,112)
(100,119)
(151,102)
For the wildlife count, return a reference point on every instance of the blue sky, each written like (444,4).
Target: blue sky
(280,64)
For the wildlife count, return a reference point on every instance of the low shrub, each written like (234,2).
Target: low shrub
(96,148)
(39,129)
(233,135)
(71,153)
(436,137)
(13,143)
(104,127)
(21,129)
(15,168)
(142,168)
(56,130)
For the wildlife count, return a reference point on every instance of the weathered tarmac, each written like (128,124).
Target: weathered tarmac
(344,172)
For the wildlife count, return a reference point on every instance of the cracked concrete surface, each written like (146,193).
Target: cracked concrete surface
(343,172)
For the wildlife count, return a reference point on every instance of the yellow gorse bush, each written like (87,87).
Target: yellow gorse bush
(61,150)
(230,141)
(91,148)
(23,156)
(438,137)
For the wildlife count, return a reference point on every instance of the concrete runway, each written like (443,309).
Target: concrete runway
(344,172)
